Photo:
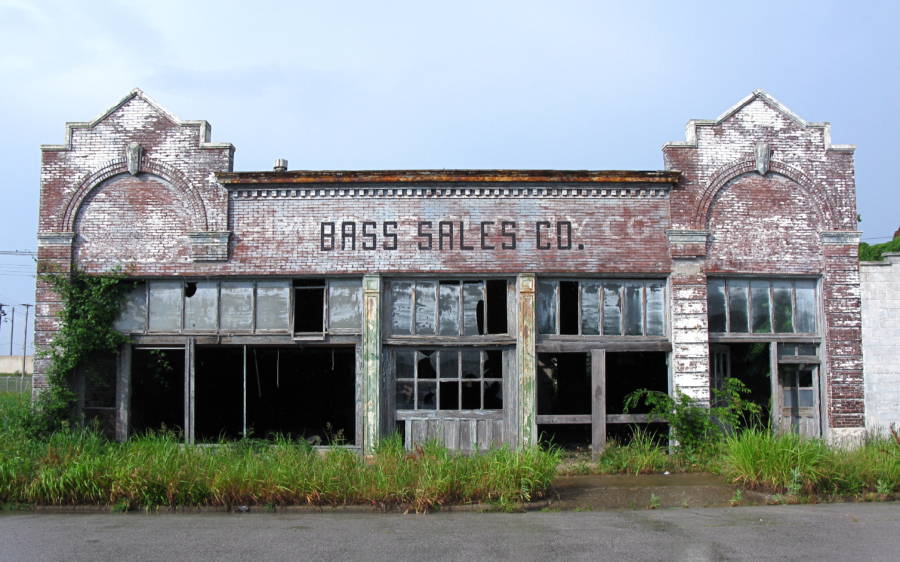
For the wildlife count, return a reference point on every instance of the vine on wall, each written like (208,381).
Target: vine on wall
(91,304)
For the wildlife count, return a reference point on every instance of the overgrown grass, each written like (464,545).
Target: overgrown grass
(794,465)
(78,466)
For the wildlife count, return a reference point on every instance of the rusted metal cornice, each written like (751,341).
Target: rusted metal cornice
(431,176)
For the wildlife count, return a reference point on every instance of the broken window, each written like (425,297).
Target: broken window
(448,308)
(449,379)
(595,307)
(309,306)
(762,306)
(263,392)
(201,305)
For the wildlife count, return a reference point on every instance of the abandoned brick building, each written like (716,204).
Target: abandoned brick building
(472,306)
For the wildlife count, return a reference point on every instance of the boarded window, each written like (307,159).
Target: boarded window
(165,306)
(201,305)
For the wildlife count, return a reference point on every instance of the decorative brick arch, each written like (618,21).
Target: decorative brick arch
(149,166)
(748,165)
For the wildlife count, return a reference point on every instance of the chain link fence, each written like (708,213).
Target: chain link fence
(15,384)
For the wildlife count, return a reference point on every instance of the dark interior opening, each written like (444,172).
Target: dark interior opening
(296,392)
(157,390)
(309,308)
(750,365)
(571,437)
(564,383)
(568,307)
(624,433)
(190,289)
(630,371)
(218,393)
(496,299)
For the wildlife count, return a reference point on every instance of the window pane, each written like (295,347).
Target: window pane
(633,309)
(272,305)
(133,316)
(805,397)
(715,302)
(427,395)
(759,294)
(471,364)
(405,395)
(426,367)
(471,395)
(309,309)
(345,304)
(473,308)
(612,309)
(806,306)
(656,313)
(237,305)
(493,364)
(449,313)
(201,305)
(449,364)
(590,308)
(546,306)
(493,395)
(425,307)
(737,306)
(782,307)
(165,305)
(404,364)
(401,307)
(449,395)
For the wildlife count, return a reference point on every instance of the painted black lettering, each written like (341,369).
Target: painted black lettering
(370,239)
(389,235)
(508,230)
(564,229)
(424,244)
(462,237)
(484,235)
(538,225)
(348,232)
(445,231)
(326,237)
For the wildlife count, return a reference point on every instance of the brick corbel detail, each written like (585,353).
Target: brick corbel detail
(209,246)
(687,243)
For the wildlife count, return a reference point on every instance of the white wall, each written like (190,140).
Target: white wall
(880,285)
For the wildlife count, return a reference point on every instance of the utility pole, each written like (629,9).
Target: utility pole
(25,337)
(12,328)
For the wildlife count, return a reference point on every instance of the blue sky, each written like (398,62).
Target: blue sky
(517,84)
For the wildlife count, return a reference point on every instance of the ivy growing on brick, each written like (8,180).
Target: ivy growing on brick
(91,304)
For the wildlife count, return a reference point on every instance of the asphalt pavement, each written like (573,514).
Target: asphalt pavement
(857,531)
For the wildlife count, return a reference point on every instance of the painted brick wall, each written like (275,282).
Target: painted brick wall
(798,217)
(880,284)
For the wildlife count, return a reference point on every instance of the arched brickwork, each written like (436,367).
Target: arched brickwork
(171,175)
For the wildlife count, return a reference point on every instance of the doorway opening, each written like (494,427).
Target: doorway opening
(749,363)
(157,390)
(564,400)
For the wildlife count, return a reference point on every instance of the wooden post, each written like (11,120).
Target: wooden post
(123,393)
(371,375)
(189,391)
(598,401)
(526,360)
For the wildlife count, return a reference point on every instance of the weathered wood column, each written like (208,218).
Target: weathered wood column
(371,364)
(526,360)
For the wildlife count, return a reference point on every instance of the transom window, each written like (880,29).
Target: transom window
(448,307)
(449,379)
(762,306)
(593,307)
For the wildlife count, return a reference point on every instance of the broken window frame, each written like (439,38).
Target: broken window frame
(414,283)
(140,323)
(727,284)
(601,284)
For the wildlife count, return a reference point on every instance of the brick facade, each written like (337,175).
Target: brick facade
(757,192)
